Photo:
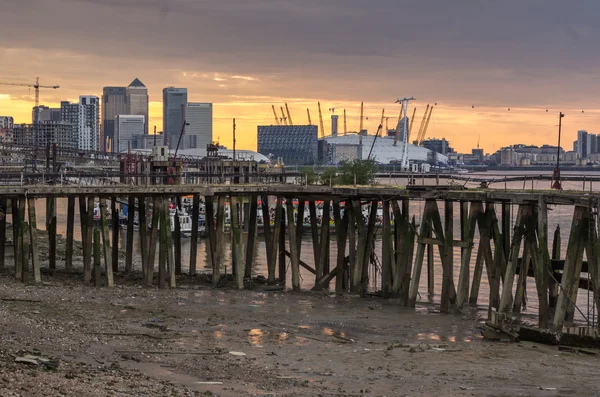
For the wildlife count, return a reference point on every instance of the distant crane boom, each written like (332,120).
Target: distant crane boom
(283,118)
(426,125)
(410,127)
(345,126)
(308,114)
(36,86)
(288,115)
(321,120)
(275,114)
(398,127)
(360,129)
(420,133)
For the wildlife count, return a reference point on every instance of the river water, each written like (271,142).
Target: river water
(557,216)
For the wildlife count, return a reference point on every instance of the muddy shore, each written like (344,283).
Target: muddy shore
(139,341)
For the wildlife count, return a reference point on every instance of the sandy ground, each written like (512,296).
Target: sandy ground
(137,341)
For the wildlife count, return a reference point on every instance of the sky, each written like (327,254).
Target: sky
(475,58)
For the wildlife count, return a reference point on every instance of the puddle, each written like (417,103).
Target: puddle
(166,374)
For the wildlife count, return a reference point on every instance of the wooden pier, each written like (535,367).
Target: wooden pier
(510,250)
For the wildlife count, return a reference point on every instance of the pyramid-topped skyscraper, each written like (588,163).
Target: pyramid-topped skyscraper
(137,100)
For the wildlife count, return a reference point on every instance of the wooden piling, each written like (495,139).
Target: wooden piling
(177,234)
(143,228)
(477,273)
(541,263)
(3,216)
(351,243)
(362,244)
(170,253)
(447,256)
(51,227)
(275,242)
(428,210)
(314,231)
(468,226)
(97,259)
(364,282)
(219,235)
(509,275)
(251,241)
(115,234)
(321,266)
(236,243)
(386,251)
(573,259)
(267,232)
(17,242)
(24,231)
(149,265)
(70,233)
(106,244)
(282,262)
(212,238)
(35,258)
(341,228)
(194,237)
(129,242)
(293,244)
(300,224)
(520,291)
(553,287)
(163,218)
(23,234)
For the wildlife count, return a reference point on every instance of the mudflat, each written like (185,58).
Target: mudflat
(131,340)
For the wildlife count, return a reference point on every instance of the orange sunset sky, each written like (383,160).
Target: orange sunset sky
(246,56)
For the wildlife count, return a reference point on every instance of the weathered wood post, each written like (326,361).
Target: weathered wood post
(3,215)
(51,226)
(115,234)
(282,262)
(70,233)
(553,285)
(177,234)
(170,254)
(541,263)
(275,242)
(268,235)
(428,210)
(364,282)
(17,242)
(106,244)
(293,244)
(129,242)
(24,231)
(386,250)
(341,229)
(469,220)
(97,259)
(511,267)
(314,231)
(194,237)
(150,257)
(35,258)
(89,231)
(362,243)
(448,255)
(236,243)
(220,233)
(321,267)
(143,226)
(163,218)
(251,242)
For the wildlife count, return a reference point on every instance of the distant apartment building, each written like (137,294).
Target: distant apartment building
(6,128)
(296,144)
(44,113)
(173,101)
(85,116)
(41,134)
(586,144)
(198,134)
(137,101)
(6,122)
(441,146)
(114,103)
(128,127)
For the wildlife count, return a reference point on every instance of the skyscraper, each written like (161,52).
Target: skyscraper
(114,103)
(85,116)
(137,101)
(128,127)
(173,99)
(198,133)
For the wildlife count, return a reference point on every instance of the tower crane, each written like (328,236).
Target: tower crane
(308,114)
(36,86)
(288,115)
(422,124)
(398,127)
(275,114)
(426,125)
(321,120)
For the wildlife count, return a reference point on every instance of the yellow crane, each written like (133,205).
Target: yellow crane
(398,127)
(411,125)
(288,115)
(426,125)
(275,114)
(308,114)
(321,120)
(422,124)
(283,118)
(345,126)
(361,124)
(35,86)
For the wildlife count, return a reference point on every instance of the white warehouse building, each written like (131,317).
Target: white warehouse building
(342,148)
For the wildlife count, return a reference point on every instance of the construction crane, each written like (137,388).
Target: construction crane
(412,120)
(426,125)
(275,114)
(288,115)
(345,125)
(283,118)
(360,129)
(422,124)
(36,86)
(398,127)
(321,120)
(308,114)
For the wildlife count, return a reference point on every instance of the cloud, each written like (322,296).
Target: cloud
(247,78)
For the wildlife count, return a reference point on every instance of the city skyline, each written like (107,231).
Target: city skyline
(475,61)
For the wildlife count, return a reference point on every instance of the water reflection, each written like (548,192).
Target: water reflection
(255,336)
